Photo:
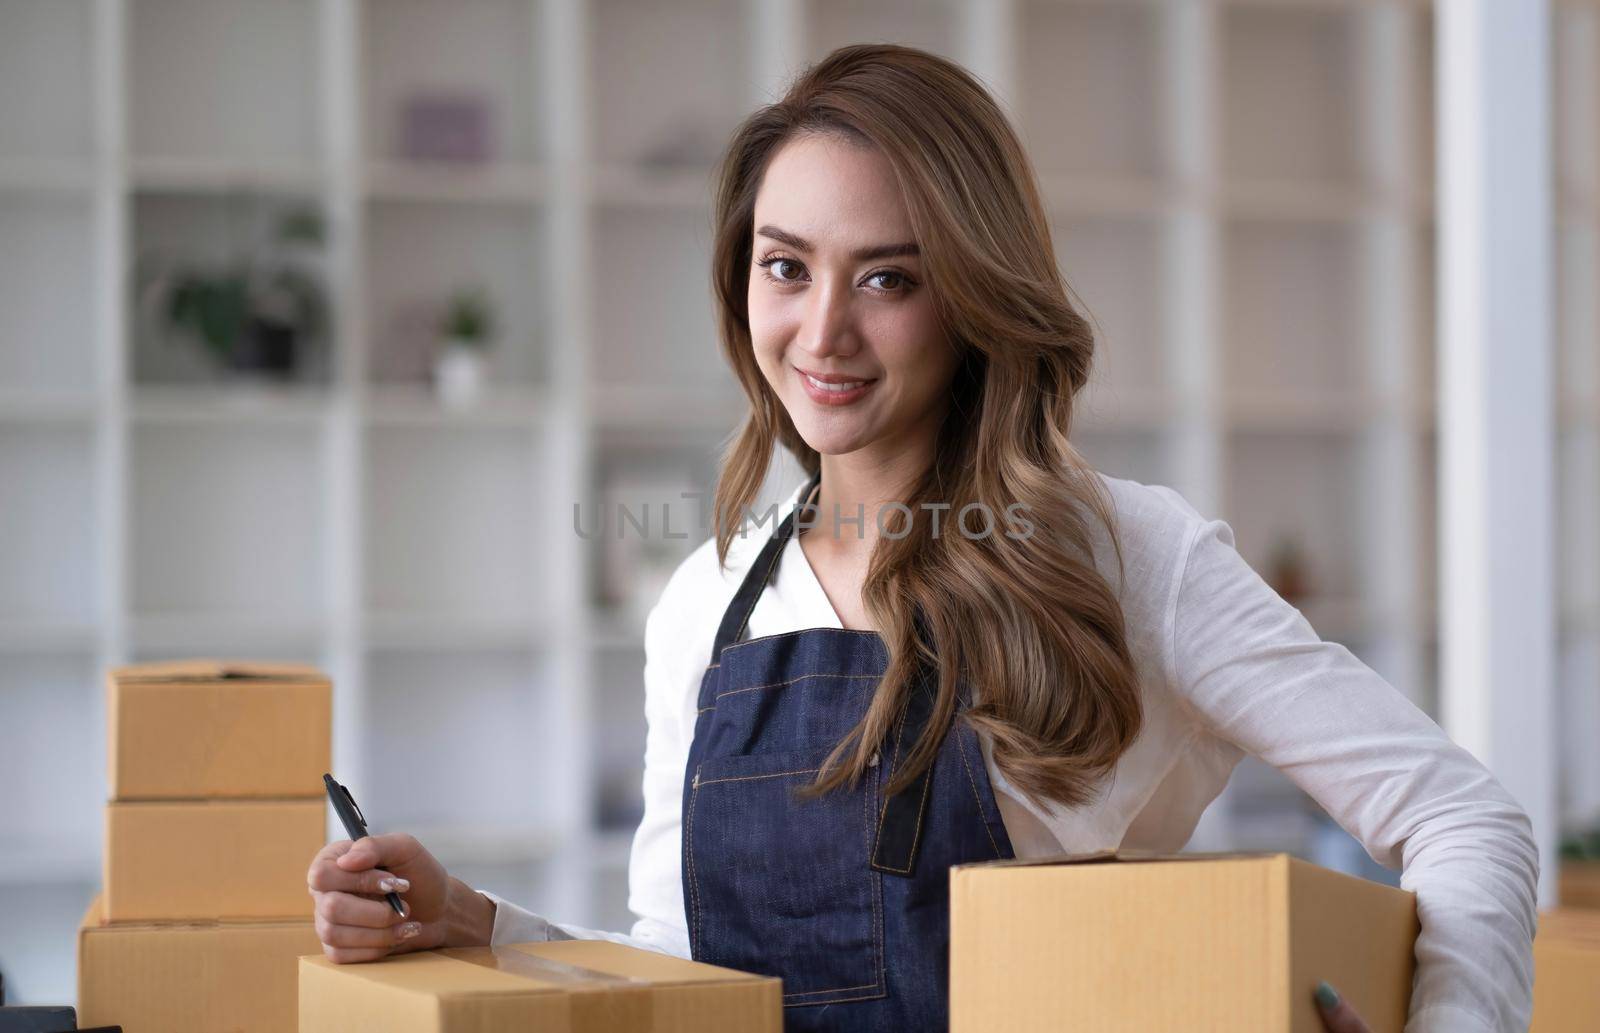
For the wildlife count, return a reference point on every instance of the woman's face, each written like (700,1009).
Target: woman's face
(841,320)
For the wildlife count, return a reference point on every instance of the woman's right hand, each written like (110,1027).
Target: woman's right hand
(354,921)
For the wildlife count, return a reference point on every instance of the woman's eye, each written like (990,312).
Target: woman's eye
(895,280)
(775,268)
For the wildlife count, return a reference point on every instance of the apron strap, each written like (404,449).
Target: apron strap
(737,615)
(900,824)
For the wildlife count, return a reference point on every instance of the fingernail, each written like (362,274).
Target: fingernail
(410,929)
(1327,996)
(394,885)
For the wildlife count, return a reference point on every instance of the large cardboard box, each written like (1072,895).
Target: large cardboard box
(176,977)
(211,858)
(1566,972)
(213,728)
(563,986)
(1133,941)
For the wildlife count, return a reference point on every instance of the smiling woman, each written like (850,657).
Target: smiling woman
(841,711)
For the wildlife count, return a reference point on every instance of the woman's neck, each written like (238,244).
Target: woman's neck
(855,490)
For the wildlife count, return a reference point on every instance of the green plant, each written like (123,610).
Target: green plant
(468,319)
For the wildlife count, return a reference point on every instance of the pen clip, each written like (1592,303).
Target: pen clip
(353,805)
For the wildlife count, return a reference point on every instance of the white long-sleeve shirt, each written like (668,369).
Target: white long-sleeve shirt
(1226,667)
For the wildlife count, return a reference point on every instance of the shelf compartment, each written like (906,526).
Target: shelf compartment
(1290,88)
(47,79)
(665,335)
(230,79)
(229,522)
(419,254)
(1137,455)
(52,763)
(173,233)
(1091,86)
(669,81)
(49,561)
(1306,485)
(453,523)
(46,273)
(618,730)
(482,49)
(1115,272)
(930,25)
(1293,312)
(457,745)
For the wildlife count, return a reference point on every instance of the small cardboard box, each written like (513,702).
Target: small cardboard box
(213,728)
(1566,972)
(176,977)
(1133,941)
(562,986)
(211,858)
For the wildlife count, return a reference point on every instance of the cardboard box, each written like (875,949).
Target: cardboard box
(563,986)
(175,977)
(1566,972)
(211,859)
(1137,941)
(210,728)
(1580,883)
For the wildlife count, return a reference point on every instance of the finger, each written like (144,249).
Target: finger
(391,849)
(1337,1014)
(347,909)
(348,955)
(359,937)
(328,878)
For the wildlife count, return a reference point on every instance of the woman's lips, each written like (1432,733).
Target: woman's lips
(833,389)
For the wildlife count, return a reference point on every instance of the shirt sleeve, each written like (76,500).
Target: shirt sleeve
(1253,672)
(655,888)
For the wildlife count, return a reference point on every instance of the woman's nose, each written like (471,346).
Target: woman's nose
(826,327)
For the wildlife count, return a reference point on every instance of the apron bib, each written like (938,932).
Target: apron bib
(845,897)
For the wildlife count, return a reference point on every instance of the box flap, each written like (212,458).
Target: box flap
(1127,855)
(209,669)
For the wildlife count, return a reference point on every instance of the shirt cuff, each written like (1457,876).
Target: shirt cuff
(513,924)
(1447,1018)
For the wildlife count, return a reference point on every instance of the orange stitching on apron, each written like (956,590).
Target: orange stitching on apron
(777,685)
(962,749)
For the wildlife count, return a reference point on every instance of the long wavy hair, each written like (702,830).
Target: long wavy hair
(1028,622)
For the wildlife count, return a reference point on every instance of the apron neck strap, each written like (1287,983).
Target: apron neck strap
(737,616)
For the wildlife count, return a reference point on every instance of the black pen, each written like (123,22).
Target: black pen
(355,826)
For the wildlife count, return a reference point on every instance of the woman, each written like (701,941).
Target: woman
(969,645)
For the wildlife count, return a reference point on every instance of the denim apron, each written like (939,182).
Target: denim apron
(846,896)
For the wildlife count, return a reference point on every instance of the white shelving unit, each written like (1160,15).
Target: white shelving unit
(1241,195)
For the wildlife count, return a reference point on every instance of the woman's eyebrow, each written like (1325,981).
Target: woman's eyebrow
(865,254)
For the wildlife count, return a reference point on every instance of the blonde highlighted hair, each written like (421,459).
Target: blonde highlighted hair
(1028,622)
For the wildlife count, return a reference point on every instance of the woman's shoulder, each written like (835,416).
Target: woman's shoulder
(1155,526)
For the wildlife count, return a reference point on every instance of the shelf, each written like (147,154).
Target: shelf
(444,182)
(452,632)
(210,633)
(664,409)
(628,186)
(1131,196)
(263,405)
(208,175)
(45,407)
(925,24)
(418,406)
(22,635)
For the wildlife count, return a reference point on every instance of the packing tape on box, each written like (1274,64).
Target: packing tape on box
(616,1004)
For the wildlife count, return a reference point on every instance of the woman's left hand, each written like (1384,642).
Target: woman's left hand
(1337,1015)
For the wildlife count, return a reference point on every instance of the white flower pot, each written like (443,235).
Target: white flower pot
(459,374)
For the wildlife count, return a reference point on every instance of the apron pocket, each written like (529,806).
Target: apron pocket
(782,886)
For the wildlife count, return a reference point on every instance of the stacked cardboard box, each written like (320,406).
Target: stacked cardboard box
(215,810)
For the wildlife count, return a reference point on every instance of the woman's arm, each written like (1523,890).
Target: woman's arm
(1255,673)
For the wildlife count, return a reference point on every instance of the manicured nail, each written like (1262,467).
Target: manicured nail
(410,929)
(395,885)
(1327,996)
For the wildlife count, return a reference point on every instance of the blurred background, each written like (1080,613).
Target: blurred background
(326,319)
